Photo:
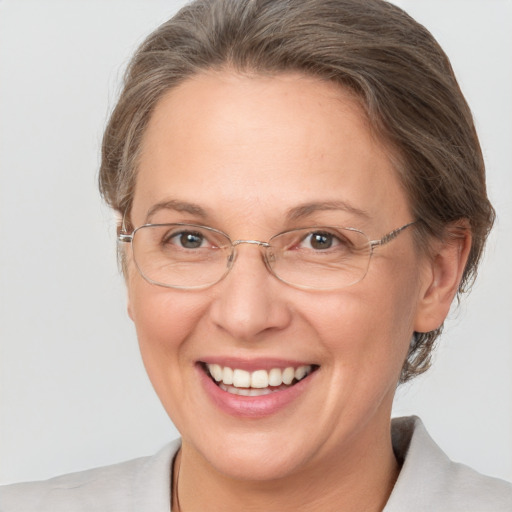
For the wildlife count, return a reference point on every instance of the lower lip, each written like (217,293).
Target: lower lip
(252,406)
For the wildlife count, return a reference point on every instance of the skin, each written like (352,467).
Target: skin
(247,149)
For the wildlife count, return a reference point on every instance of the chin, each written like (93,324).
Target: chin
(258,465)
(255,456)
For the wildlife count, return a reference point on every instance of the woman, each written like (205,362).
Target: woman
(302,195)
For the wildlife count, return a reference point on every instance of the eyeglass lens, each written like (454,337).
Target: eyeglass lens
(190,256)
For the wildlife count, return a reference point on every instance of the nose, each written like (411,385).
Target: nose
(250,302)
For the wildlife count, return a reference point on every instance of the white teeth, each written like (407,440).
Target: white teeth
(275,377)
(302,371)
(216,372)
(227,375)
(259,379)
(245,391)
(241,379)
(258,382)
(288,375)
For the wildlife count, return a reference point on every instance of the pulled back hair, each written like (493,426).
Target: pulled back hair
(398,71)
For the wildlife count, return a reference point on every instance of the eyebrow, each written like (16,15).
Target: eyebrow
(307,209)
(296,213)
(178,206)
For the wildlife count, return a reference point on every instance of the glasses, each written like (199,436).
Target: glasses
(189,256)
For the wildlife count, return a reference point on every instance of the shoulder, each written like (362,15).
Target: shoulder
(429,480)
(139,484)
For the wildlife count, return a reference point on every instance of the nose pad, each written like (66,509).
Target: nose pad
(231,258)
(269,258)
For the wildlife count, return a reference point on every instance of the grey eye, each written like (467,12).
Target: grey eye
(321,241)
(184,240)
(190,240)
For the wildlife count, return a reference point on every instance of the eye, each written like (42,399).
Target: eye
(186,239)
(191,240)
(320,240)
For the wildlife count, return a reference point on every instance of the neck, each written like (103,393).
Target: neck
(352,480)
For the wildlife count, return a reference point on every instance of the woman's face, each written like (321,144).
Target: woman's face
(254,156)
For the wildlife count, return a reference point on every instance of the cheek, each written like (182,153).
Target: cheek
(367,329)
(164,319)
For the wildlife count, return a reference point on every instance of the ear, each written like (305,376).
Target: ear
(444,268)
(128,277)
(126,264)
(129,309)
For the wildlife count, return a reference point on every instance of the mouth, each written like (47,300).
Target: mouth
(259,382)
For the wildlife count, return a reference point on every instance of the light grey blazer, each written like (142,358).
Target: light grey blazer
(428,482)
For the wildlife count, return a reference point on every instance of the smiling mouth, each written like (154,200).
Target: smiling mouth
(259,382)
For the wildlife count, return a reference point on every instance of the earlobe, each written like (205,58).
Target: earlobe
(443,275)
(129,306)
(128,277)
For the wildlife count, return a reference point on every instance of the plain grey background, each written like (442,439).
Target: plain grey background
(73,392)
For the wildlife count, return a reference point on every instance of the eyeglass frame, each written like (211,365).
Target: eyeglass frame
(124,237)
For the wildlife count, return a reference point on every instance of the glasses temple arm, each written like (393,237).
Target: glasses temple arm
(391,235)
(124,237)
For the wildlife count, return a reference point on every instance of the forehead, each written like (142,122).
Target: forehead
(229,143)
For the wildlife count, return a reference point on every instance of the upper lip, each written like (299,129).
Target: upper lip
(252,365)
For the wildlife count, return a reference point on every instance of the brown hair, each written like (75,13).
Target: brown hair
(401,75)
